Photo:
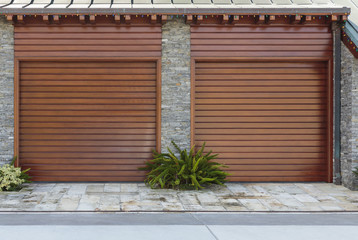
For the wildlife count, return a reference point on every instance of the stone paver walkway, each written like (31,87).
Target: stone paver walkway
(128,197)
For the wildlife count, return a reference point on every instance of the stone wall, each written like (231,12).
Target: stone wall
(6,90)
(176,83)
(349,118)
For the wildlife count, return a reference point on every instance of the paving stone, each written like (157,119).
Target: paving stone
(172,206)
(112,187)
(275,205)
(193,207)
(77,189)
(305,198)
(214,208)
(326,198)
(208,199)
(33,198)
(69,203)
(188,199)
(288,200)
(45,207)
(43,188)
(129,197)
(125,188)
(292,189)
(60,189)
(330,207)
(239,189)
(253,204)
(220,190)
(97,188)
(310,207)
(348,207)
(109,203)
(89,203)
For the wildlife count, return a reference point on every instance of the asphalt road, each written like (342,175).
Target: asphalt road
(173,226)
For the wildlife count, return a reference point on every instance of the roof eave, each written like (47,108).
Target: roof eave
(180,11)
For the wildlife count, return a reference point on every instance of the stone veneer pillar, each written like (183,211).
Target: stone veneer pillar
(349,118)
(175,83)
(6,90)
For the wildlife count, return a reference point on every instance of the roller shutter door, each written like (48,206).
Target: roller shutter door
(87,121)
(267,120)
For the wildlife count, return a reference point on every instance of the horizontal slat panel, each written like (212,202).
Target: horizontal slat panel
(259,113)
(255,28)
(267,77)
(266,107)
(85,131)
(88,42)
(244,143)
(84,161)
(88,143)
(257,119)
(87,137)
(256,35)
(302,178)
(80,113)
(88,83)
(271,162)
(62,77)
(74,167)
(218,126)
(243,83)
(34,149)
(98,155)
(254,131)
(97,173)
(93,71)
(258,70)
(88,119)
(86,101)
(95,89)
(248,65)
(87,29)
(277,167)
(260,137)
(287,101)
(86,125)
(102,107)
(254,95)
(88,95)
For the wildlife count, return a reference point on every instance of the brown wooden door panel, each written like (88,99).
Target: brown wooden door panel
(264,127)
(97,122)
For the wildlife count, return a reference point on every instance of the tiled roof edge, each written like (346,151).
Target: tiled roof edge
(181,11)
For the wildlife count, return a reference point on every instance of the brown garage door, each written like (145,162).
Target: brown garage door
(267,120)
(87,121)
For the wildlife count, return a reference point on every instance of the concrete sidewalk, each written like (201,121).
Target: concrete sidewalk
(136,197)
(178,226)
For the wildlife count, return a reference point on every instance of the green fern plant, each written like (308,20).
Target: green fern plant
(190,170)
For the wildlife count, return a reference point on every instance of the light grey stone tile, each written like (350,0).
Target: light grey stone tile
(89,203)
(69,203)
(95,188)
(129,187)
(305,198)
(112,187)
(253,204)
